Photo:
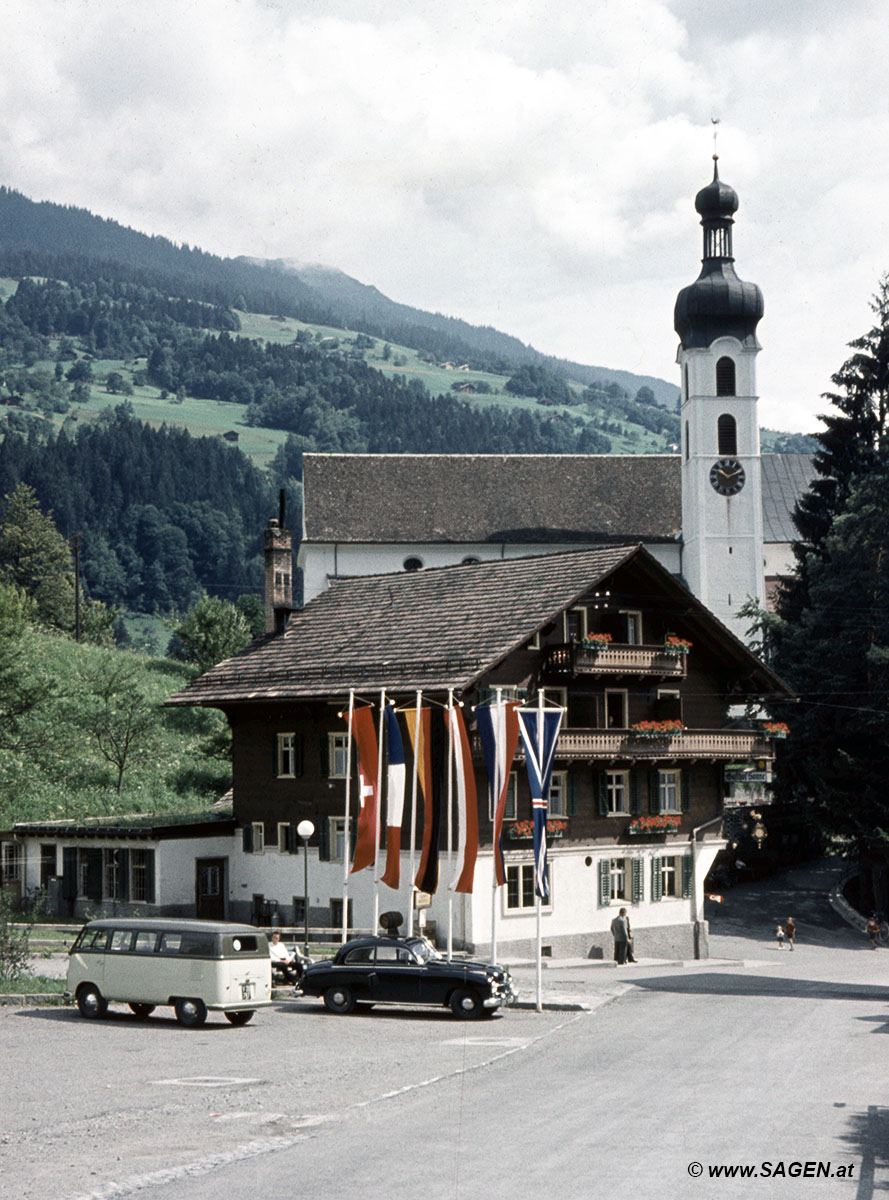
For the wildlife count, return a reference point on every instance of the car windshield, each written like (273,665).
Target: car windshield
(424,950)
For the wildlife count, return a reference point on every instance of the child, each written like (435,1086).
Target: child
(779,934)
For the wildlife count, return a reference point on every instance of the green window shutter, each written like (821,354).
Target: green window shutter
(324,756)
(685,781)
(149,877)
(653,798)
(688,875)
(602,793)
(571,783)
(638,885)
(291,839)
(604,882)
(123,874)
(69,872)
(94,875)
(656,879)
(324,840)
(635,797)
(247,839)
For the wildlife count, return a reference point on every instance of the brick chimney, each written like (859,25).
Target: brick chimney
(278,573)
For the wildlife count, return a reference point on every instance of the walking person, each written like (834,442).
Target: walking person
(873,928)
(779,934)
(620,931)
(790,926)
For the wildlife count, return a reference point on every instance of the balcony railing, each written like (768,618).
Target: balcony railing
(569,660)
(714,745)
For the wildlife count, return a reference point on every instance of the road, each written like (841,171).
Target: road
(762,1057)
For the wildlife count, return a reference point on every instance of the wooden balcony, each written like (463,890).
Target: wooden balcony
(709,745)
(568,660)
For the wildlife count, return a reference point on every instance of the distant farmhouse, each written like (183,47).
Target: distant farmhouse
(612,583)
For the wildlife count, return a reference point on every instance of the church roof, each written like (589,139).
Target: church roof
(543,498)
(442,628)
(492,498)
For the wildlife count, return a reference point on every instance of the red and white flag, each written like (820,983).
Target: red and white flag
(467,805)
(365,736)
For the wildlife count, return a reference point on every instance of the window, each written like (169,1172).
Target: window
(558,794)
(620,879)
(145,942)
(210,882)
(575,624)
(111,876)
(634,627)
(141,875)
(253,837)
(11,861)
(338,753)
(618,876)
(121,939)
(520,887)
(510,809)
(725,378)
(669,704)
(671,876)
(336,913)
(289,765)
(615,709)
(727,435)
(470,560)
(668,792)
(617,792)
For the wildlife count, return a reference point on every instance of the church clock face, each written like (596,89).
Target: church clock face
(727,476)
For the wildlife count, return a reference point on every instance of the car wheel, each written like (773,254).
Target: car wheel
(339,1000)
(241,1017)
(90,1001)
(466,1004)
(190,1012)
(142,1010)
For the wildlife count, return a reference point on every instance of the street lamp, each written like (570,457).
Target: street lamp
(305,829)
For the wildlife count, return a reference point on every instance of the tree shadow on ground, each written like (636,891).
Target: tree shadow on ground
(717,983)
(868,1140)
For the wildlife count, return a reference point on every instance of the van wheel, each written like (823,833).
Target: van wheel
(339,1000)
(142,1010)
(90,1001)
(466,1004)
(241,1017)
(190,1012)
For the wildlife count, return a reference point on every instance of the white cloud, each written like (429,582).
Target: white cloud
(525,165)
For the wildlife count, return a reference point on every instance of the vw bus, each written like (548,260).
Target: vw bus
(196,966)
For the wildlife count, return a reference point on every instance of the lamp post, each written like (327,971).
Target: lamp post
(305,829)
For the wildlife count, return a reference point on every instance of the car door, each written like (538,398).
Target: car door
(397,975)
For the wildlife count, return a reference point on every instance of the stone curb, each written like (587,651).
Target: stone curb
(33,999)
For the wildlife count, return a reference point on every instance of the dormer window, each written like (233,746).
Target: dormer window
(413,564)
(727,436)
(725,377)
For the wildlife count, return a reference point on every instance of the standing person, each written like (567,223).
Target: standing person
(620,931)
(630,955)
(790,926)
(779,934)
(873,928)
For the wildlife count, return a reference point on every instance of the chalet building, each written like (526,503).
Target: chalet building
(635,818)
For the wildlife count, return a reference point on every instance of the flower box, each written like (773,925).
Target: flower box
(655,824)
(676,645)
(596,641)
(657,729)
(775,729)
(525,829)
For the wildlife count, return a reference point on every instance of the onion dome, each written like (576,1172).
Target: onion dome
(718,303)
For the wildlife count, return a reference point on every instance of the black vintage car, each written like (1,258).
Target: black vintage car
(394,970)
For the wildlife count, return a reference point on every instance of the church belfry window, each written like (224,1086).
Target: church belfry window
(725,376)
(727,436)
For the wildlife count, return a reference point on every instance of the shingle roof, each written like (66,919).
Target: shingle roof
(436,629)
(491,497)
(543,498)
(785,477)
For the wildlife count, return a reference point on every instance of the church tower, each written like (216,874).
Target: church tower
(716,319)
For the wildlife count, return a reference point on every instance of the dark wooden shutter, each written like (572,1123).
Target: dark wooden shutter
(635,793)
(571,788)
(247,839)
(123,874)
(299,754)
(275,763)
(685,781)
(69,872)
(688,874)
(324,756)
(291,839)
(653,792)
(94,875)
(602,792)
(324,840)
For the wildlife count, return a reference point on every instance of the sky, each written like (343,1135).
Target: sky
(526,165)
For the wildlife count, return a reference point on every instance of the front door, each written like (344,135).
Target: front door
(210,889)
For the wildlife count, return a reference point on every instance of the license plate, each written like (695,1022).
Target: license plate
(246,991)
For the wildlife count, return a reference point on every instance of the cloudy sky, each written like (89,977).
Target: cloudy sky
(521,164)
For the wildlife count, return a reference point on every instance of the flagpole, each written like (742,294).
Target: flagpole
(450,819)
(347,850)
(495,799)
(410,882)
(378,814)
(540,705)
